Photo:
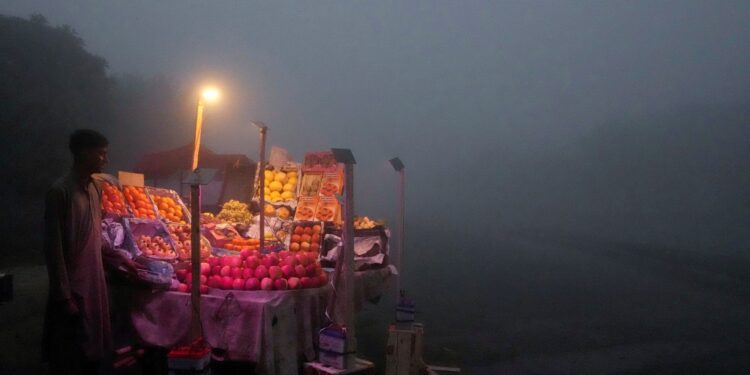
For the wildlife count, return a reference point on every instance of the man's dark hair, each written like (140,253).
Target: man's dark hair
(86,139)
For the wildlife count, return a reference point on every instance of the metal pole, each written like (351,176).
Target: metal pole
(262,183)
(198,129)
(195,257)
(401,231)
(195,232)
(348,258)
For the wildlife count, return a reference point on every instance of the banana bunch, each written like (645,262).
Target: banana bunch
(235,211)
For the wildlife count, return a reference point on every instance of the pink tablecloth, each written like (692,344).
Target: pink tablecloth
(270,328)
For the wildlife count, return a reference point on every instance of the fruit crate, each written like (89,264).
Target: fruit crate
(192,359)
(134,228)
(113,201)
(181,237)
(288,182)
(166,200)
(371,247)
(139,202)
(306,236)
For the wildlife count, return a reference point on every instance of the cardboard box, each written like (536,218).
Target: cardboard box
(306,209)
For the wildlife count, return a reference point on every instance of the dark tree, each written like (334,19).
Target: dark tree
(49,85)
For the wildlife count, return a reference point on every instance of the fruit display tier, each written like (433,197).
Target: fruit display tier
(149,238)
(169,205)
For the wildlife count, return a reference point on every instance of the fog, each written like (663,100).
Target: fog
(585,125)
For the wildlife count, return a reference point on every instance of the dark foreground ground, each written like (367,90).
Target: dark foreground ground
(536,305)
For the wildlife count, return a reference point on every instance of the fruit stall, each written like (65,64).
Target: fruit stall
(263,305)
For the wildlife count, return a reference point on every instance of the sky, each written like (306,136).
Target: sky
(458,90)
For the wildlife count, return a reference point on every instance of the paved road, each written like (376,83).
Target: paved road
(529,306)
(570,306)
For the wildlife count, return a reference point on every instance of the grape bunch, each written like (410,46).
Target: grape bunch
(235,212)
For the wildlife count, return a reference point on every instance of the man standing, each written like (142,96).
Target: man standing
(77,334)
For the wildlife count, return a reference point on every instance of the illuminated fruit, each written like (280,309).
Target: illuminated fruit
(280,177)
(235,211)
(275,272)
(226,282)
(291,260)
(252,284)
(288,187)
(113,202)
(156,247)
(305,282)
(139,203)
(300,270)
(252,263)
(280,284)
(169,209)
(261,272)
(287,270)
(293,282)
(266,284)
(269,175)
(287,195)
(311,270)
(283,213)
(225,271)
(276,186)
(269,210)
(274,259)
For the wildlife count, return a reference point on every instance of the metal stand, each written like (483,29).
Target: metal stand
(344,282)
(262,183)
(195,180)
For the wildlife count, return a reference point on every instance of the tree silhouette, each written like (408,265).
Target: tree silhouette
(49,85)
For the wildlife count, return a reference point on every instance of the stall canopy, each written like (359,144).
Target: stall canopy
(167,169)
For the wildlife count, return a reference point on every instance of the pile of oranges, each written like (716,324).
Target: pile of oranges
(112,201)
(305,237)
(168,208)
(239,244)
(139,202)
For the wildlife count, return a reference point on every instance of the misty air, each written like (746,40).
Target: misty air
(411,187)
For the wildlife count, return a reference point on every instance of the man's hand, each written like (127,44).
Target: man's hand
(131,267)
